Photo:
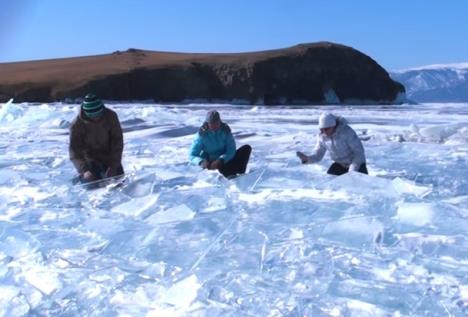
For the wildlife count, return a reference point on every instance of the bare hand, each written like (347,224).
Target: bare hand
(88,176)
(304,159)
(204,164)
(215,165)
(110,172)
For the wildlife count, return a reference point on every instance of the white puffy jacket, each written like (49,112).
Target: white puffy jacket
(344,147)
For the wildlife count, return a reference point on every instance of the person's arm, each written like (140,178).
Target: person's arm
(196,149)
(359,156)
(230,148)
(76,148)
(319,152)
(116,143)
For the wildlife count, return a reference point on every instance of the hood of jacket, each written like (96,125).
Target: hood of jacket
(341,124)
(205,128)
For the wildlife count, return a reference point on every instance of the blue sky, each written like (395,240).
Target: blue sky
(397,34)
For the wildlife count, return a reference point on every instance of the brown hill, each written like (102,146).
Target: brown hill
(307,73)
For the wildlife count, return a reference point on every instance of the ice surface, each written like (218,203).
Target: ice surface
(283,240)
(9,112)
(175,214)
(416,214)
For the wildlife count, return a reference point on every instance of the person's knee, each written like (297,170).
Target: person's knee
(337,169)
(333,172)
(363,169)
(120,170)
(246,148)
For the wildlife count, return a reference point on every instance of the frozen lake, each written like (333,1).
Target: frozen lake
(283,240)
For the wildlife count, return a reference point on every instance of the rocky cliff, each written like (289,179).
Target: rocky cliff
(315,73)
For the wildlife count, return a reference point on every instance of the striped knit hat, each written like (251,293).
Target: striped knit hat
(92,106)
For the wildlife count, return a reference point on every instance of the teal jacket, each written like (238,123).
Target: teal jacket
(212,145)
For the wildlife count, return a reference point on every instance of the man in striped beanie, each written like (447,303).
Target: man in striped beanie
(96,141)
(92,106)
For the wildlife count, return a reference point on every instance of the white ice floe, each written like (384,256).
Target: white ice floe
(45,280)
(137,206)
(417,214)
(174,214)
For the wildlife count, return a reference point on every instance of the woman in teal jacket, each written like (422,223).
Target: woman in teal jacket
(214,148)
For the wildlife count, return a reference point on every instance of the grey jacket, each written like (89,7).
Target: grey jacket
(344,146)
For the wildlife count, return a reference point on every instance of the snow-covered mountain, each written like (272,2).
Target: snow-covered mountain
(435,83)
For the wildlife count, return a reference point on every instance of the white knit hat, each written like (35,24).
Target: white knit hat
(326,120)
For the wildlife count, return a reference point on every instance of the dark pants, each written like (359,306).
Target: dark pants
(99,170)
(238,164)
(337,169)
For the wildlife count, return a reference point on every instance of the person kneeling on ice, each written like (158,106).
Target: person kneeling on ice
(214,148)
(96,141)
(342,143)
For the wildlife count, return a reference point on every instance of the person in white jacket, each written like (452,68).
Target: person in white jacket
(343,144)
